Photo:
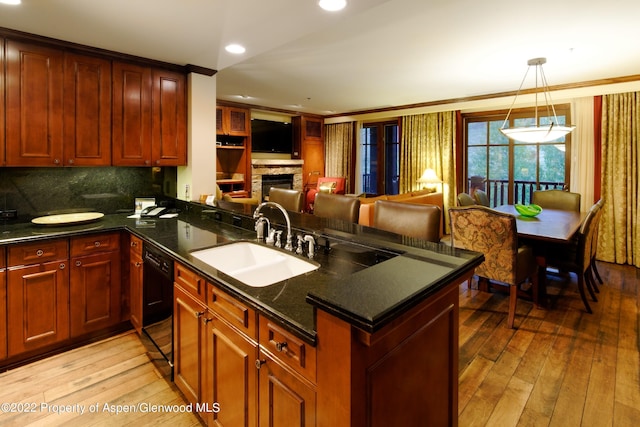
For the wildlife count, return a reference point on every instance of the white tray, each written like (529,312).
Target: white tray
(66,219)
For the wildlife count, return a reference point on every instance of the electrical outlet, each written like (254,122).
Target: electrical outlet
(9,214)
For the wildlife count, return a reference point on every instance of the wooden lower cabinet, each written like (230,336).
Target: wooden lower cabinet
(95,283)
(37,306)
(135,283)
(3,305)
(188,343)
(285,399)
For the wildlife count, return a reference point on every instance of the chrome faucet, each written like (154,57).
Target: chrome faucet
(263,227)
(256,216)
(312,245)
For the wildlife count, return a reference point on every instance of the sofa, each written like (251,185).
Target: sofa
(428,197)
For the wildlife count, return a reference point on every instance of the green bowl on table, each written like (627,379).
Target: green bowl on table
(528,210)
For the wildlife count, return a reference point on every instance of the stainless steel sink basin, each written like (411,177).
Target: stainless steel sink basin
(253,264)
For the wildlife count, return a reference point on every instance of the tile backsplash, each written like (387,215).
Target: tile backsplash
(42,191)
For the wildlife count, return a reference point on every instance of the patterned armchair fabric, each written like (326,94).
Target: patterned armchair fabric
(494,234)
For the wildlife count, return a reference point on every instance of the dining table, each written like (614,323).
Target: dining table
(546,233)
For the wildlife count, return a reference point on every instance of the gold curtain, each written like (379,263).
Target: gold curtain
(428,141)
(338,146)
(619,241)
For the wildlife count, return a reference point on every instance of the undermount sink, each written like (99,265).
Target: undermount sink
(253,264)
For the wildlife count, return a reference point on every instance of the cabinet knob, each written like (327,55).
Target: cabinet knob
(147,162)
(206,320)
(138,264)
(134,244)
(62,265)
(56,161)
(71,161)
(39,252)
(78,263)
(281,345)
(199,313)
(96,244)
(260,362)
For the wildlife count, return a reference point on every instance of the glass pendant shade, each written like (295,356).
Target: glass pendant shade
(539,133)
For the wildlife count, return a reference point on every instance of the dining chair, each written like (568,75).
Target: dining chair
(291,200)
(408,219)
(481,198)
(337,206)
(465,199)
(578,258)
(556,199)
(494,234)
(594,244)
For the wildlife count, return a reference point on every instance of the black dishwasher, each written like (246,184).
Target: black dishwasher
(157,308)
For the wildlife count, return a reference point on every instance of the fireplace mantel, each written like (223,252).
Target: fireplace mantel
(260,167)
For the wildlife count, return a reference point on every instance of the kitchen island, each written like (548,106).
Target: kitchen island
(378,319)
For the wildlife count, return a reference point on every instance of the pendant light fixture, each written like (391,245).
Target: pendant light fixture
(538,132)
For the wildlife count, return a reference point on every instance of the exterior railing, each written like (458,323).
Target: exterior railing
(498,191)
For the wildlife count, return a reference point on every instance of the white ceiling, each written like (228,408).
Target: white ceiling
(373,54)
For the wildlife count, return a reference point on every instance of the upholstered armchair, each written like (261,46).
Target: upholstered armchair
(325,184)
(408,219)
(494,234)
(291,200)
(556,199)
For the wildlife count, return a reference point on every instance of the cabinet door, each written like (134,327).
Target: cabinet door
(135,289)
(169,135)
(37,306)
(231,377)
(188,343)
(95,292)
(2,116)
(34,113)
(233,121)
(285,398)
(3,311)
(87,111)
(131,115)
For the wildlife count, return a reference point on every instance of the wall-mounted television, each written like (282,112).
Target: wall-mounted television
(269,136)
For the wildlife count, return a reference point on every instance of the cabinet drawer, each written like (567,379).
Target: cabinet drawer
(135,245)
(189,281)
(38,252)
(287,348)
(233,311)
(95,243)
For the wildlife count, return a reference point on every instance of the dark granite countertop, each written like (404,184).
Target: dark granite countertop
(366,277)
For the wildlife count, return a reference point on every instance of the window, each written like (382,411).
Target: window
(514,169)
(380,158)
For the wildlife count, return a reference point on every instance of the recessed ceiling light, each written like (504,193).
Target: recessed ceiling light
(235,48)
(13,2)
(332,5)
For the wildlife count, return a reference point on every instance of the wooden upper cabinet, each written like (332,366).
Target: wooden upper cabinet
(308,143)
(34,105)
(2,80)
(233,121)
(169,134)
(131,140)
(87,111)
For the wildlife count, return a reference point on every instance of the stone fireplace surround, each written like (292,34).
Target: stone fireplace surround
(260,167)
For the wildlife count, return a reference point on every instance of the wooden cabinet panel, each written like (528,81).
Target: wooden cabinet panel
(289,349)
(37,306)
(37,252)
(3,306)
(135,283)
(188,343)
(2,116)
(131,139)
(189,281)
(34,100)
(232,311)
(95,243)
(233,121)
(308,142)
(285,398)
(231,377)
(169,134)
(87,111)
(95,292)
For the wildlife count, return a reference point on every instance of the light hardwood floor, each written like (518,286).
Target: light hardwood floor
(560,367)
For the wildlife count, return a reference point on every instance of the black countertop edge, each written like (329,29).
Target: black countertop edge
(381,311)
